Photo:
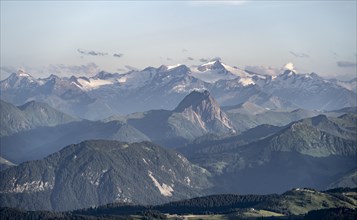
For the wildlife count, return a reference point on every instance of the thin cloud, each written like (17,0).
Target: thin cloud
(203,60)
(190,58)
(118,55)
(216,59)
(346,64)
(8,69)
(168,58)
(131,68)
(265,70)
(184,50)
(62,69)
(299,55)
(91,52)
(121,69)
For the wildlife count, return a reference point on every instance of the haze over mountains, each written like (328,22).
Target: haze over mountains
(236,131)
(29,116)
(198,114)
(164,87)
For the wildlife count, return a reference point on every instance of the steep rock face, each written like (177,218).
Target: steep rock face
(200,108)
(100,172)
(197,114)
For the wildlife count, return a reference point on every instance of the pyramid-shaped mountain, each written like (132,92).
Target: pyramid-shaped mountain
(201,108)
(196,115)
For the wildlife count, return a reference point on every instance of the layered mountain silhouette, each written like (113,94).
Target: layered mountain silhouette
(40,142)
(198,114)
(262,141)
(313,152)
(29,116)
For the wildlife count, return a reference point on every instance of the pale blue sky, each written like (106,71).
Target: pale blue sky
(47,37)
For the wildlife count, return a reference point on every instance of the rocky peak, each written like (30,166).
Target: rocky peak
(200,106)
(20,79)
(213,65)
(195,99)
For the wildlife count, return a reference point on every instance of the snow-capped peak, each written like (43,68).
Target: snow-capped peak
(22,73)
(20,79)
(216,70)
(212,65)
(289,67)
(173,66)
(236,71)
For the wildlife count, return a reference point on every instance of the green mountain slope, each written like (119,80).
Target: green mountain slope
(29,116)
(311,152)
(99,172)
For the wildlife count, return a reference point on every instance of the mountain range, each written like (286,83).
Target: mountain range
(314,152)
(196,115)
(172,133)
(165,86)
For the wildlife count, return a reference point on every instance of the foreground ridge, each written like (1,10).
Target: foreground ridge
(302,203)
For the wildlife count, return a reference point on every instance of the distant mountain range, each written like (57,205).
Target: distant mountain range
(164,87)
(238,145)
(197,115)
